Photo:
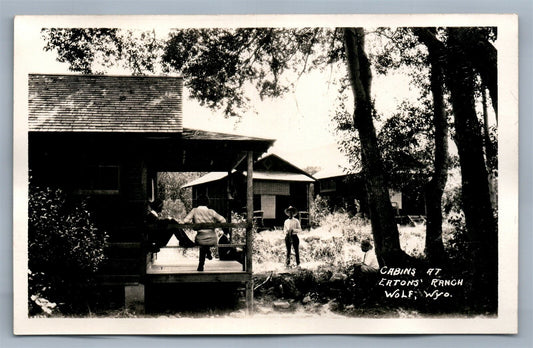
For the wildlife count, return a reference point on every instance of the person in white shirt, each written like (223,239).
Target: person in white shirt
(291,227)
(205,238)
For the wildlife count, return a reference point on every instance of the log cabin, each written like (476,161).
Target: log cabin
(105,138)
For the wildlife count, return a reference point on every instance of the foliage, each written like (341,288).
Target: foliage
(330,274)
(169,190)
(332,243)
(312,170)
(458,245)
(94,50)
(173,209)
(65,248)
(451,200)
(217,64)
(406,142)
(346,134)
(318,210)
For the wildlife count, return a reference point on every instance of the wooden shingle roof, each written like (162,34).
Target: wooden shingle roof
(198,134)
(98,103)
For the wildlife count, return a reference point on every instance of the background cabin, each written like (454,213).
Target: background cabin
(277,185)
(105,138)
(347,191)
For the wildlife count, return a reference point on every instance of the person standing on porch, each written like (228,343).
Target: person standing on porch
(291,227)
(205,238)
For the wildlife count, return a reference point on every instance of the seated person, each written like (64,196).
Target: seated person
(229,253)
(370,262)
(160,235)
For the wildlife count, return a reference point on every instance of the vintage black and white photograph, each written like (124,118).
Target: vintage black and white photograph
(266,174)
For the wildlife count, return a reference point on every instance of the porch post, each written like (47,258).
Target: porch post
(228,205)
(249,236)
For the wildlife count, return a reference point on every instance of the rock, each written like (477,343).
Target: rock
(338,277)
(284,305)
(306,299)
(323,275)
(288,287)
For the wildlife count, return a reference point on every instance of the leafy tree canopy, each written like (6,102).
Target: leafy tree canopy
(216,64)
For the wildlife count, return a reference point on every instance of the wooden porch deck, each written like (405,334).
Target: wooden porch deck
(189,267)
(171,266)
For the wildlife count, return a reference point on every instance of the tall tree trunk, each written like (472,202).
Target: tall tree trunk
(384,229)
(484,58)
(480,220)
(435,187)
(490,152)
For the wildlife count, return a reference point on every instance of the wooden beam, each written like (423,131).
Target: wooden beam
(123,245)
(238,162)
(228,199)
(232,245)
(199,277)
(172,225)
(249,210)
(118,279)
(249,297)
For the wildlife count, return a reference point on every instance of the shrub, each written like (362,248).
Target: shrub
(318,210)
(173,208)
(65,248)
(456,240)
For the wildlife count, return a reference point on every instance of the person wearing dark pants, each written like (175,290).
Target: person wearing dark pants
(292,227)
(229,253)
(205,238)
(161,230)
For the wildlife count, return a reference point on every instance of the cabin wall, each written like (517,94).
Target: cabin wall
(274,197)
(349,194)
(112,179)
(271,197)
(343,193)
(216,191)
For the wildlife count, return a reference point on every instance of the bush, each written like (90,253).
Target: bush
(65,249)
(318,210)
(173,208)
(456,240)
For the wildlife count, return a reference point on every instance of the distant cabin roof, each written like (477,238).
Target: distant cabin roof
(98,103)
(330,173)
(209,177)
(257,175)
(270,167)
(197,134)
(281,176)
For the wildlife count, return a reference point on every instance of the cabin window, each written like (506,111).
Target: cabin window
(100,179)
(151,191)
(268,206)
(328,186)
(396,199)
(272,188)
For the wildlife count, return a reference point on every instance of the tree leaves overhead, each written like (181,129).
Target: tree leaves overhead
(79,47)
(406,142)
(218,65)
(397,48)
(96,50)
